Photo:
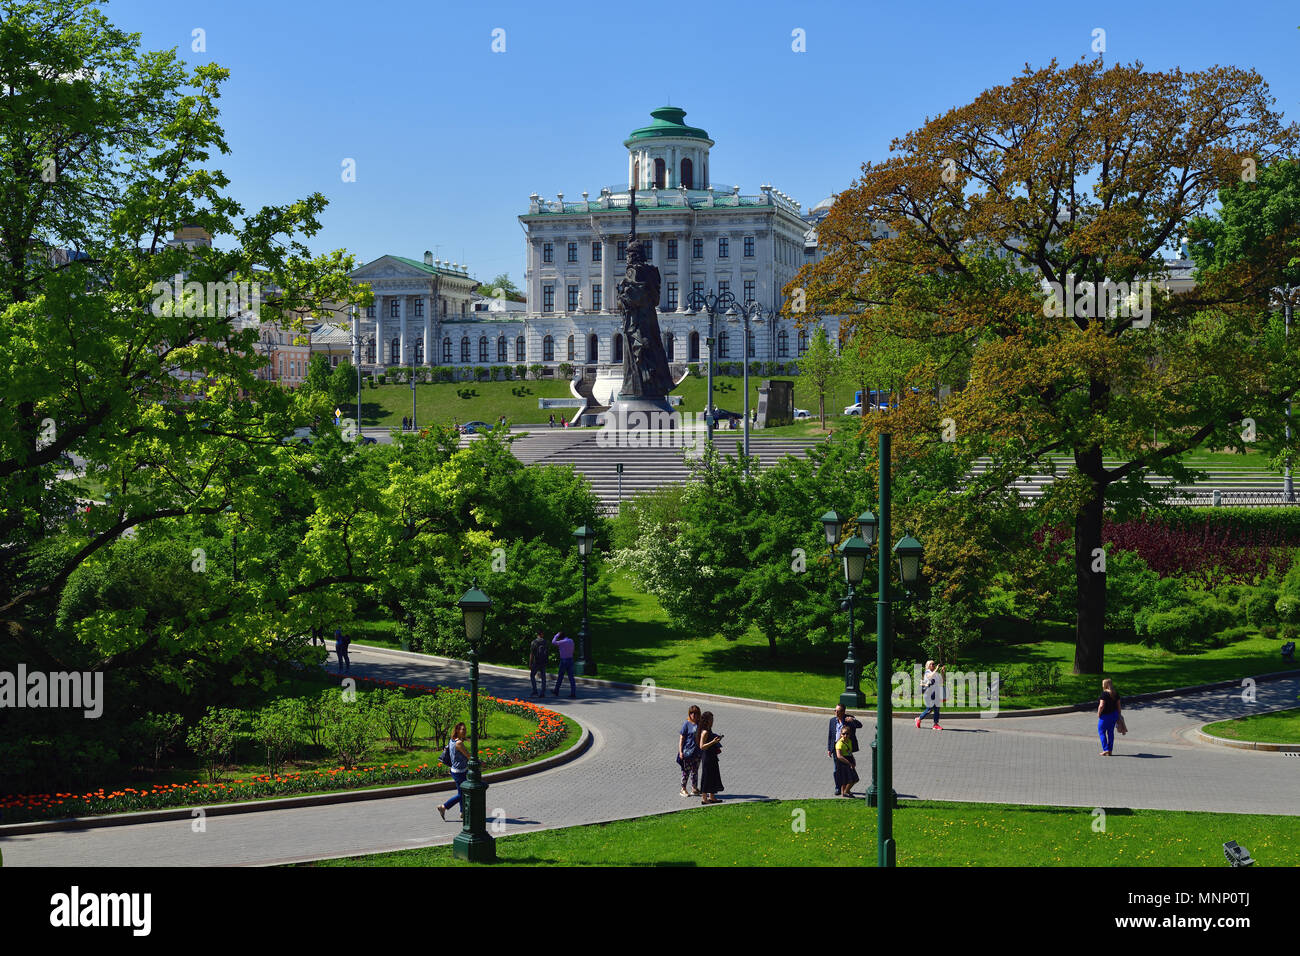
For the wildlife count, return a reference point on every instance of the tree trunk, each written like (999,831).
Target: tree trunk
(1090,604)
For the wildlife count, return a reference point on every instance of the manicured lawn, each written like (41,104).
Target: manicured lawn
(1282,727)
(843,833)
(438,403)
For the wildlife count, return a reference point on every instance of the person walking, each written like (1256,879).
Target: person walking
(931,694)
(1109,717)
(459,767)
(551,423)
(341,642)
(688,751)
(839,721)
(537,654)
(710,748)
(845,762)
(565,646)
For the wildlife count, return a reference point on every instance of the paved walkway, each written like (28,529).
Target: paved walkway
(631,771)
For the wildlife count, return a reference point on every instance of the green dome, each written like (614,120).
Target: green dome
(668,122)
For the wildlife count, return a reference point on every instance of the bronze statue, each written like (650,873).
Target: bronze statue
(645,365)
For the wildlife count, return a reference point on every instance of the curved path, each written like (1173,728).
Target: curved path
(631,771)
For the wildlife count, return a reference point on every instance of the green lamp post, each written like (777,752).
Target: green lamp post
(585,665)
(474,843)
(855,553)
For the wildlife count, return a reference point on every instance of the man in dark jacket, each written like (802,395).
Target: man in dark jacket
(537,653)
(841,719)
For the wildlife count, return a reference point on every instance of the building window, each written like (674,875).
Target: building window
(446,351)
(548,298)
(462,308)
(622,250)
(395,351)
(688,174)
(595,252)
(334,361)
(672,248)
(722,344)
(724,246)
(464,348)
(693,347)
(419,351)
(749,247)
(672,296)
(749,291)
(803,342)
(419,307)
(724,285)
(649,246)
(697,292)
(618,347)
(570,352)
(394,309)
(593,348)
(596,300)
(697,248)
(548,252)
(783,344)
(668,346)
(571,294)
(370,354)
(573,252)
(502,354)
(444,308)
(548,349)
(519,349)
(660,174)
(370,312)
(482,348)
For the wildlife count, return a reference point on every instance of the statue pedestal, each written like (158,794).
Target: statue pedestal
(638,414)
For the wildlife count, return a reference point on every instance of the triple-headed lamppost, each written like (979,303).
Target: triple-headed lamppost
(855,553)
(745,311)
(585,665)
(474,843)
(711,303)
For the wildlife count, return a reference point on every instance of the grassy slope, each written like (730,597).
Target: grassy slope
(843,833)
(1282,727)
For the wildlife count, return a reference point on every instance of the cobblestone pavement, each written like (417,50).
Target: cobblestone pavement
(631,771)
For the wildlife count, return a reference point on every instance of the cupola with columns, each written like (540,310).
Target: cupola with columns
(668,154)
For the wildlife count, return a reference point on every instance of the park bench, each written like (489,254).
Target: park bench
(1288,651)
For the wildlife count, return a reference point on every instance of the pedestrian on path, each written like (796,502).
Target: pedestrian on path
(551,423)
(688,751)
(846,764)
(710,748)
(931,694)
(565,646)
(537,653)
(838,722)
(1109,717)
(341,642)
(459,767)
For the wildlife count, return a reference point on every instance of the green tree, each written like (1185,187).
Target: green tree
(505,284)
(317,382)
(343,388)
(820,366)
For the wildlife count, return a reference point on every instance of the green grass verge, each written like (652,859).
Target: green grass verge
(1282,727)
(438,403)
(843,833)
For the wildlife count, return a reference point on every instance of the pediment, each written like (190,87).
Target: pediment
(386,267)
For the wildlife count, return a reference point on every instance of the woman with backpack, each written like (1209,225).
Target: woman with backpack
(456,757)
(710,747)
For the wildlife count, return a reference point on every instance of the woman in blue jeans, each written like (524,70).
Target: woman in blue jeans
(1108,714)
(459,767)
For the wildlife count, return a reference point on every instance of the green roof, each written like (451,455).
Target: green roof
(433,270)
(668,122)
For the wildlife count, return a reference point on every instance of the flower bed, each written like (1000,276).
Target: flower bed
(20,808)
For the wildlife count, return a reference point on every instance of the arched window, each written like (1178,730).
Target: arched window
(519,349)
(482,348)
(570,348)
(446,351)
(444,308)
(593,348)
(693,347)
(688,174)
(395,352)
(502,354)
(803,341)
(668,346)
(548,349)
(659,182)
(464,348)
(636,173)
(783,344)
(722,344)
(618,347)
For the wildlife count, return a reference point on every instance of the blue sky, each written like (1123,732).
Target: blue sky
(449,138)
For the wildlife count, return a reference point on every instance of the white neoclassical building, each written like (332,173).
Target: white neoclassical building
(704,238)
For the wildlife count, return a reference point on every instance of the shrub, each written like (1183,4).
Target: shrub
(153,734)
(1229,635)
(381,378)
(1268,631)
(1289,632)
(440,712)
(1259,605)
(1037,677)
(400,716)
(481,373)
(276,728)
(349,730)
(1288,608)
(564,370)
(535,370)
(521,372)
(214,737)
(311,714)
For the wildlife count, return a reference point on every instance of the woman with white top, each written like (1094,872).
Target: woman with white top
(459,767)
(931,694)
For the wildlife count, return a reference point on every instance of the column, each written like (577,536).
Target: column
(608,250)
(683,271)
(356,337)
(381,356)
(428,330)
(403,355)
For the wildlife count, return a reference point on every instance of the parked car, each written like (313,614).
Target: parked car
(801,413)
(367,440)
(470,428)
(855,409)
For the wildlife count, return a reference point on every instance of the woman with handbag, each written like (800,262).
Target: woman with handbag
(710,747)
(459,767)
(1109,717)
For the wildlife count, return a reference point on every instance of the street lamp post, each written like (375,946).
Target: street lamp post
(474,843)
(746,311)
(585,665)
(711,303)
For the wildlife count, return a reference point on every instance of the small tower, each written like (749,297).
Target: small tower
(668,154)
